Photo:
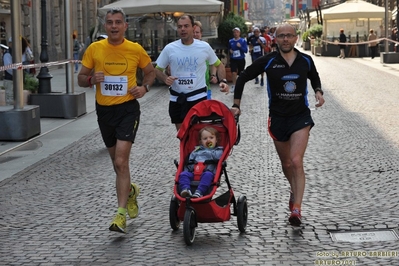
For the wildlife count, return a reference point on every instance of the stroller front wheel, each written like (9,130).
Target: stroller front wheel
(189,226)
(242,213)
(173,218)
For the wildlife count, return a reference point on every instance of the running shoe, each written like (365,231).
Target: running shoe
(295,218)
(261,82)
(291,202)
(132,205)
(197,194)
(118,223)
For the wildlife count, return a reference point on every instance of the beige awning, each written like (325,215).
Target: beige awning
(355,9)
(135,7)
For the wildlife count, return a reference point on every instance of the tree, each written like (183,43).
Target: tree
(225,29)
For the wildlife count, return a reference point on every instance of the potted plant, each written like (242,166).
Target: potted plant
(225,33)
(316,31)
(306,41)
(31,85)
(2,96)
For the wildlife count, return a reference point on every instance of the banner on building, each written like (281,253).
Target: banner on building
(287,10)
(293,7)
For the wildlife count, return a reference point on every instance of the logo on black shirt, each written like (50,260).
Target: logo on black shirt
(290,86)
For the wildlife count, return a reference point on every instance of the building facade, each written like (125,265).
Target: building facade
(83,19)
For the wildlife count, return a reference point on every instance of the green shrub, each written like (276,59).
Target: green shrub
(305,36)
(316,30)
(31,83)
(225,29)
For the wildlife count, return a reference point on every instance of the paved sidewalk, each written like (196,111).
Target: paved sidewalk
(56,207)
(55,134)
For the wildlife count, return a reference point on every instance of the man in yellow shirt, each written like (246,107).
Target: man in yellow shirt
(114,62)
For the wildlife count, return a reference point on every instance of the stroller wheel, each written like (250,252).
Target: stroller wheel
(189,226)
(242,213)
(173,219)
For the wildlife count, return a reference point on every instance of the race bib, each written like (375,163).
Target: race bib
(256,49)
(236,53)
(186,81)
(114,86)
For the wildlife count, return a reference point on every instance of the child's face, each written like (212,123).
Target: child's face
(208,139)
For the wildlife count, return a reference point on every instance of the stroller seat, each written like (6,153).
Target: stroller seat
(199,167)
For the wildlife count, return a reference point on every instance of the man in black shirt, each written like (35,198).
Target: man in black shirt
(342,39)
(290,121)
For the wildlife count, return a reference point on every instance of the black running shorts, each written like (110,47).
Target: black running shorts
(118,121)
(178,112)
(281,127)
(237,65)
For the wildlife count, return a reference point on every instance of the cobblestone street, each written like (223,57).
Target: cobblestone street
(57,210)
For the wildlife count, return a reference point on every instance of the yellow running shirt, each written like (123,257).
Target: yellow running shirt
(119,64)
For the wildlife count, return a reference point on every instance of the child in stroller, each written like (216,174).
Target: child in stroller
(207,151)
(210,208)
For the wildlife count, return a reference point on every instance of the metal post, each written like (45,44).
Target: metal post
(44,75)
(156,43)
(386,27)
(18,82)
(68,47)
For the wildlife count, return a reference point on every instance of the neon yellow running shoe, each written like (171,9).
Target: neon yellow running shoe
(118,223)
(132,204)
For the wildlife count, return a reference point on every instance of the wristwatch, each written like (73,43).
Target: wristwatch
(147,87)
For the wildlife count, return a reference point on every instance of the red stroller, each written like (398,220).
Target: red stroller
(206,209)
